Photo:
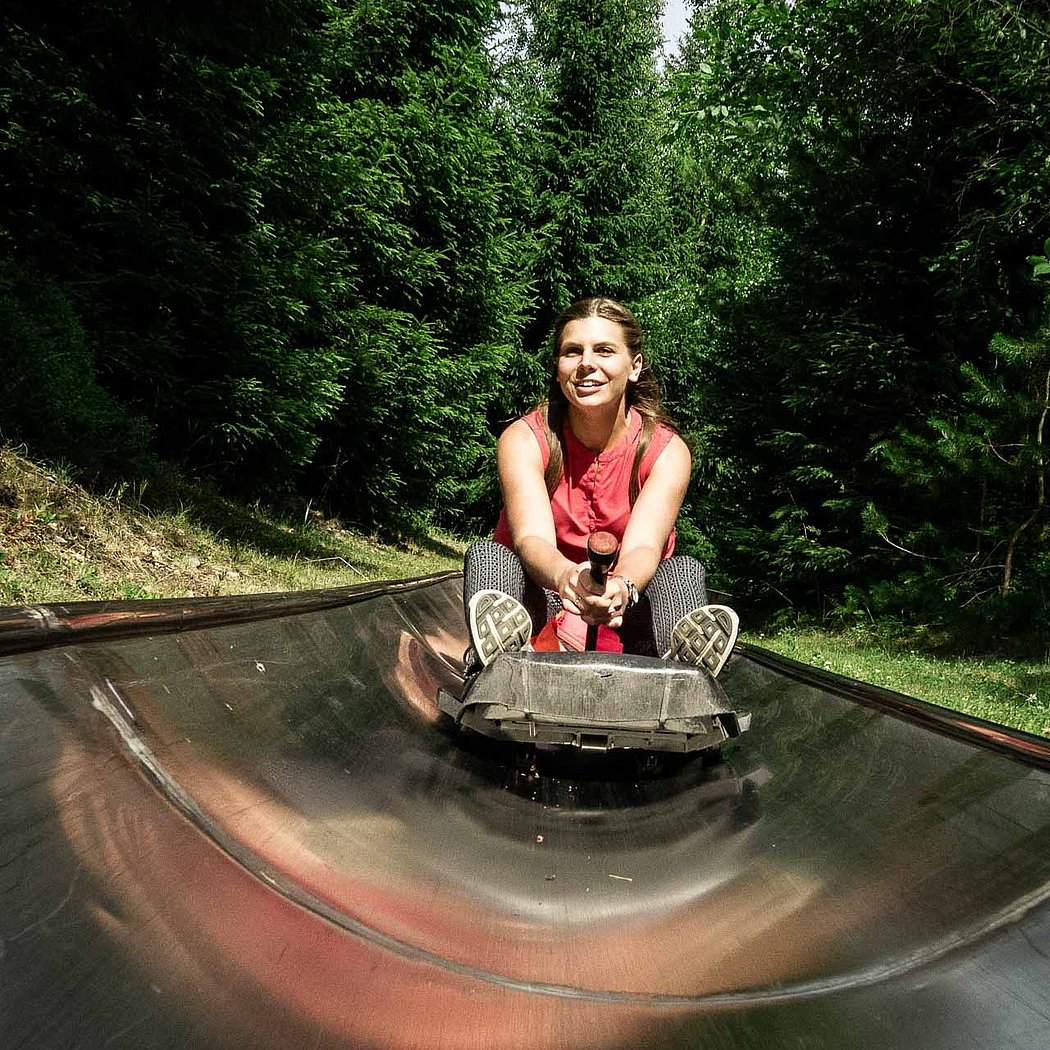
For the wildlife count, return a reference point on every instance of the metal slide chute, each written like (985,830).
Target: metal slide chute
(244,823)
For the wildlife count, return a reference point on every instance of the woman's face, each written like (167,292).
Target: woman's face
(594,364)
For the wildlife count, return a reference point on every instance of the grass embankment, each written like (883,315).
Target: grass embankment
(60,542)
(1013,692)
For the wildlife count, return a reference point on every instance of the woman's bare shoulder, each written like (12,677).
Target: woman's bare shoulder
(518,429)
(675,456)
(519,435)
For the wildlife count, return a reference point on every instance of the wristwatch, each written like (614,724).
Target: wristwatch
(632,591)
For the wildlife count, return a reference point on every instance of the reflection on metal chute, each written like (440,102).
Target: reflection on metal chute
(244,825)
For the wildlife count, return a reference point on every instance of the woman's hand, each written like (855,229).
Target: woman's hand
(595,605)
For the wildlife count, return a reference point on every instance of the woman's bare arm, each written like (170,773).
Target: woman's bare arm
(654,513)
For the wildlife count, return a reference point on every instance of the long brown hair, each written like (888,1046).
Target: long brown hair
(643,395)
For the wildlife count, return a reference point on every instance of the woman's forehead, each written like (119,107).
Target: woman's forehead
(593,330)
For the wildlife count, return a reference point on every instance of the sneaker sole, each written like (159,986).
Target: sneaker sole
(498,624)
(705,637)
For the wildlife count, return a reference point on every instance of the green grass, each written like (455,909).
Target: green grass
(60,541)
(1012,692)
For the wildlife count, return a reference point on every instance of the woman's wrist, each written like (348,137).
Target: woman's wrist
(630,590)
(563,580)
(545,564)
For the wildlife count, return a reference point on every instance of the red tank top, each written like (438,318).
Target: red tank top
(594,492)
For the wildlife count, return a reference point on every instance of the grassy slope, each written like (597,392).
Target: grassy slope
(59,542)
(1012,692)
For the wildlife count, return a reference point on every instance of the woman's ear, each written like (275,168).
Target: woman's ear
(636,369)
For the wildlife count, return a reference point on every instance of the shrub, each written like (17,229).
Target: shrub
(51,398)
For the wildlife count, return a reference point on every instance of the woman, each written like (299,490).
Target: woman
(598,455)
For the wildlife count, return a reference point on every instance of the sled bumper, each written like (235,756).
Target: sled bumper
(596,701)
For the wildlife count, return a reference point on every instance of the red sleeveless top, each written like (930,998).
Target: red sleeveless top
(594,492)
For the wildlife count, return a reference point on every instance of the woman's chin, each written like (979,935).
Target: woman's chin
(600,398)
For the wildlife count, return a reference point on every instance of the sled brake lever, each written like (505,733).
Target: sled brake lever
(602,549)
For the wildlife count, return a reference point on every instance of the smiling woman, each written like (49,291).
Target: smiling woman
(595,363)
(597,455)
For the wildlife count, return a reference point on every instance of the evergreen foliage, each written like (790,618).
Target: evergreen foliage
(256,212)
(51,398)
(586,96)
(877,223)
(147,154)
(423,212)
(983,565)
(318,247)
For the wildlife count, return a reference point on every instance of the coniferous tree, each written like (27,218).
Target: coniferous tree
(983,569)
(588,113)
(260,221)
(148,163)
(435,294)
(883,171)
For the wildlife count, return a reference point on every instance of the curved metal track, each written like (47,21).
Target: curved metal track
(231,824)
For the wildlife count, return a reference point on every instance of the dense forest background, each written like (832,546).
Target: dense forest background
(313,248)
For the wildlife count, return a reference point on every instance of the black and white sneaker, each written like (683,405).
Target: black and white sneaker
(705,637)
(498,624)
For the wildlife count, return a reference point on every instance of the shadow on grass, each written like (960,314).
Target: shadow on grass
(1032,682)
(254,527)
(438,546)
(285,530)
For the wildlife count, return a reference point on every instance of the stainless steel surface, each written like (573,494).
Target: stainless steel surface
(256,835)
